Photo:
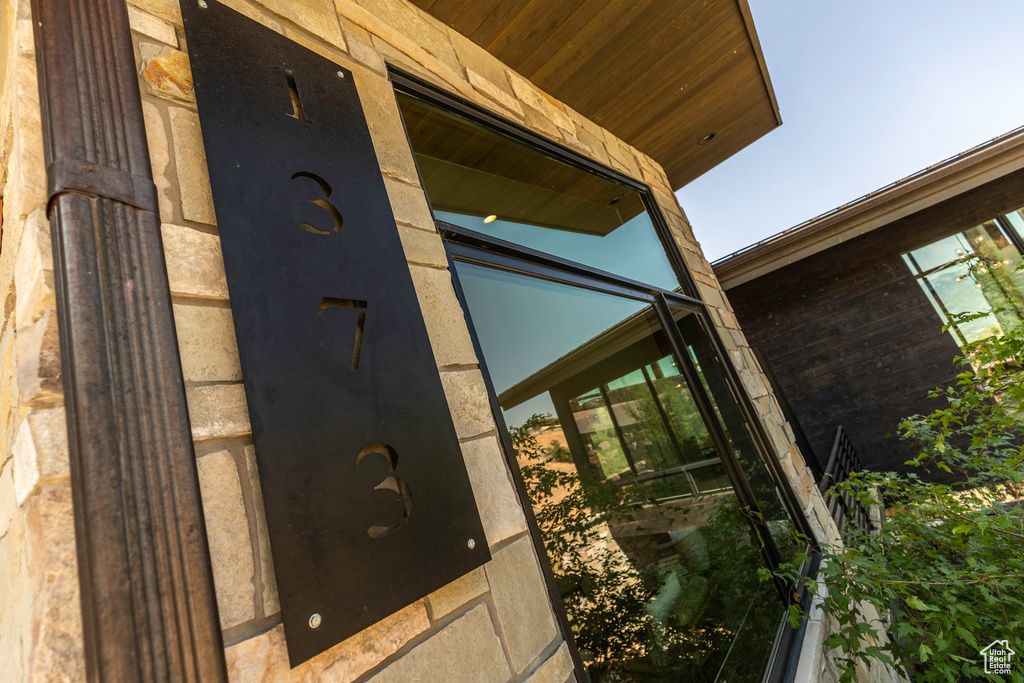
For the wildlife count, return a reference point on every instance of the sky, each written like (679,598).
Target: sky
(870,91)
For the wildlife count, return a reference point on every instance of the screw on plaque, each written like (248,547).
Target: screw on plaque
(202,3)
(471,544)
(315,620)
(341,74)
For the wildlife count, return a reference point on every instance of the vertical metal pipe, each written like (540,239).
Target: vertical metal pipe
(148,604)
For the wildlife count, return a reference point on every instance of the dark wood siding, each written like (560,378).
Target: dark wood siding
(850,335)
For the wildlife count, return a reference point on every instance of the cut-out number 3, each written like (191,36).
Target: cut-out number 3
(322,203)
(389,483)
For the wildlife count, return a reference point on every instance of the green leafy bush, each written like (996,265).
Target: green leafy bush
(946,570)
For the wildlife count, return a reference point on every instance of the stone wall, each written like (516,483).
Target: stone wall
(40,619)
(493,624)
(819,664)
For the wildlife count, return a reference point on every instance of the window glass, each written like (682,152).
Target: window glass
(654,556)
(1016,220)
(734,423)
(973,271)
(479,179)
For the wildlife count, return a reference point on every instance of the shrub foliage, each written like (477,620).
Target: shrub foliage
(946,570)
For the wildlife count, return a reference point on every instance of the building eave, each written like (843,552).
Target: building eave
(684,81)
(948,178)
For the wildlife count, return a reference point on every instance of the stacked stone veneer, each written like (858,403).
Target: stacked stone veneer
(40,622)
(495,624)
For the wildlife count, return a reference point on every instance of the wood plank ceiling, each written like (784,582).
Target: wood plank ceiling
(660,74)
(473,171)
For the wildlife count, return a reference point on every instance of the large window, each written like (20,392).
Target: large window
(974,271)
(655,557)
(487,182)
(652,491)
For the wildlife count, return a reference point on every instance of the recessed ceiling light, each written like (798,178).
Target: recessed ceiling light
(490,219)
(707,138)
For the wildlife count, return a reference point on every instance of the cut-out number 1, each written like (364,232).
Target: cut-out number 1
(293,90)
(360,305)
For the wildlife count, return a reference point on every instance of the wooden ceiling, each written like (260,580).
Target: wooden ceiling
(659,74)
(471,170)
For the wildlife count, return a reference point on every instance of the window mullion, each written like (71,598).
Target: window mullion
(769,549)
(768,454)
(554,273)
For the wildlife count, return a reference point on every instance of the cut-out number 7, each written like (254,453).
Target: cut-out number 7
(331,302)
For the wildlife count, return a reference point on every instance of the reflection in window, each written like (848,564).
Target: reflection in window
(737,430)
(478,179)
(654,556)
(974,271)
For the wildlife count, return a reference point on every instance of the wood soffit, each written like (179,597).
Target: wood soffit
(471,170)
(659,74)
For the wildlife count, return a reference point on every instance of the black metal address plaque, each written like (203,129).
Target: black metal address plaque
(369,506)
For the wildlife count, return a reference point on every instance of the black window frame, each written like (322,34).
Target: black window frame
(465,245)
(1002,224)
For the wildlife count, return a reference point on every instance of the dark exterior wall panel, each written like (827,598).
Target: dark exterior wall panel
(851,336)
